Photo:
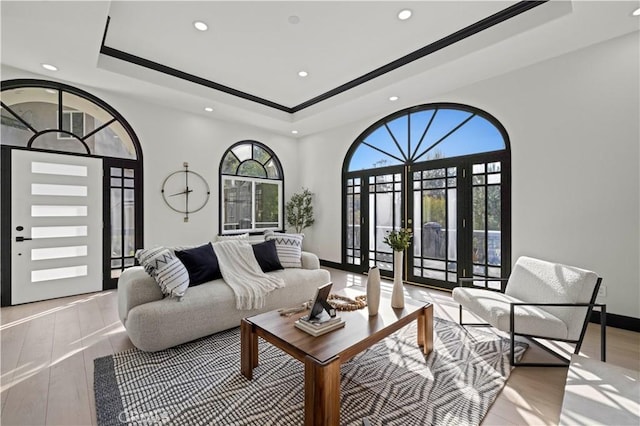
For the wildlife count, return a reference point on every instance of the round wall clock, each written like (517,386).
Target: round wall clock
(185,191)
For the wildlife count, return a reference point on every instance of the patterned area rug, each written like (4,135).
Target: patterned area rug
(392,383)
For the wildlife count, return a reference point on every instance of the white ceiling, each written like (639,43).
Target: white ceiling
(252,47)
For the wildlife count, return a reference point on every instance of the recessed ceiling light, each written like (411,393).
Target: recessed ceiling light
(636,12)
(404,14)
(49,67)
(303,73)
(200,26)
(393,98)
(295,132)
(208,109)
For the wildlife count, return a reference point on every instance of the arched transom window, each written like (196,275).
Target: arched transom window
(251,189)
(426,134)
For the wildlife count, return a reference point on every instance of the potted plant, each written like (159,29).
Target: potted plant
(300,211)
(398,241)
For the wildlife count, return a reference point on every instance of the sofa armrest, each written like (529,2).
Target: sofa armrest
(135,287)
(310,261)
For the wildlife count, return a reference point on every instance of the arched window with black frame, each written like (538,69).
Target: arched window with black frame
(251,189)
(442,170)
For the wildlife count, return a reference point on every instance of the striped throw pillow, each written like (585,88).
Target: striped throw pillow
(289,248)
(168,271)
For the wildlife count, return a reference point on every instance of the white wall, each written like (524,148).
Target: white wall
(573,124)
(170,137)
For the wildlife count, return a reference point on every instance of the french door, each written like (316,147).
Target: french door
(455,209)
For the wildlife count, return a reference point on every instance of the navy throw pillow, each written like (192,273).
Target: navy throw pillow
(201,263)
(267,256)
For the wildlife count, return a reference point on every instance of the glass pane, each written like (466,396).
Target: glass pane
(59,142)
(243,152)
(66,123)
(477,135)
(399,129)
(356,230)
(129,173)
(452,218)
(116,222)
(367,158)
(61,190)
(58,169)
(479,225)
(58,231)
(434,225)
(230,164)
(58,211)
(77,124)
(111,141)
(478,168)
(14,132)
(494,225)
(445,121)
(35,105)
(419,122)
(493,167)
(272,170)
(58,252)
(384,219)
(252,168)
(73,102)
(237,205)
(117,182)
(478,180)
(129,222)
(381,139)
(260,155)
(116,171)
(58,273)
(267,205)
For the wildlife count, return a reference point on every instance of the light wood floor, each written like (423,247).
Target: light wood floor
(48,350)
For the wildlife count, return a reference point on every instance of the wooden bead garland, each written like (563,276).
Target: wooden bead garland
(343,303)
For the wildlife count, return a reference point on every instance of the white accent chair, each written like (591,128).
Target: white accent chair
(539,300)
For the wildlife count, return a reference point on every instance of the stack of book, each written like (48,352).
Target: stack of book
(320,325)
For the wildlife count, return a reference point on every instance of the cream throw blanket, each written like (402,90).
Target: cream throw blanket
(242,273)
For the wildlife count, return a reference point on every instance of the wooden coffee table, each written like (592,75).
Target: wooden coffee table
(323,355)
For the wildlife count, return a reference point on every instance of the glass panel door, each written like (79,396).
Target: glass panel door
(486,209)
(385,213)
(433,257)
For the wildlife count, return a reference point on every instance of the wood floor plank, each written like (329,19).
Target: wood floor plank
(27,392)
(95,342)
(48,350)
(68,399)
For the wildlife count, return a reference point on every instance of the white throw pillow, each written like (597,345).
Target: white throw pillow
(162,264)
(289,248)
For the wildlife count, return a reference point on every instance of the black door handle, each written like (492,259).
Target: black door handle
(21,239)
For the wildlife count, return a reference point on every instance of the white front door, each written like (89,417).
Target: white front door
(56,225)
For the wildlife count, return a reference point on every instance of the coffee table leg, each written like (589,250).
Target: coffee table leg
(425,329)
(321,392)
(248,349)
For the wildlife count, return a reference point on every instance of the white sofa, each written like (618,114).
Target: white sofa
(154,323)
